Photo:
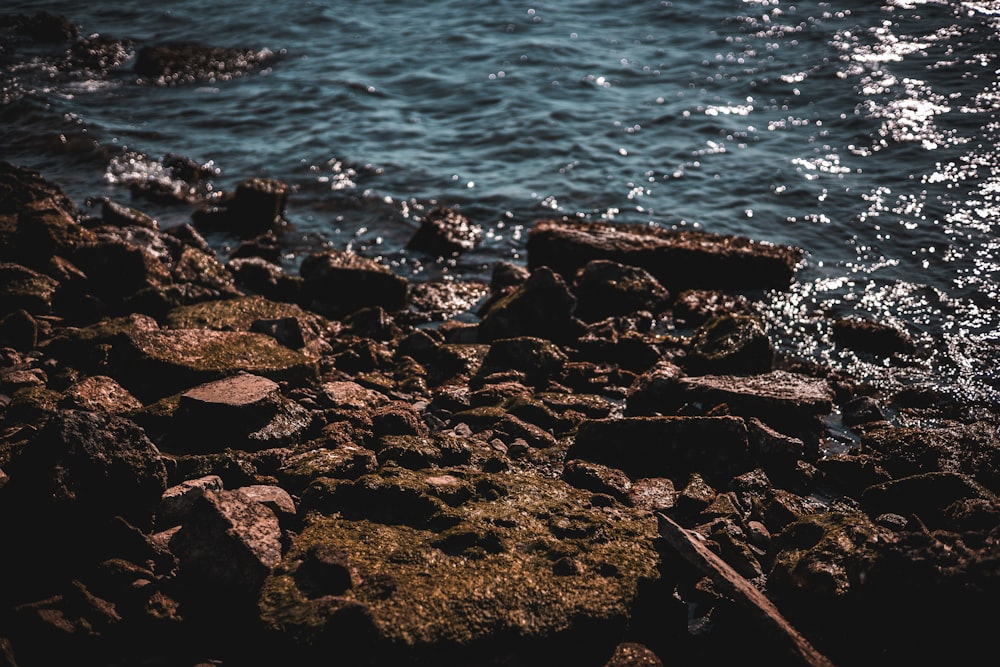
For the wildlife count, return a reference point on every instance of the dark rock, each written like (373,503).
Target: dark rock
(537,358)
(630,654)
(256,207)
(90,465)
(656,494)
(605,289)
(338,283)
(346,461)
(730,344)
(22,288)
(874,337)
(678,259)
(671,447)
(181,62)
(177,501)
(267,279)
(119,215)
(507,274)
(862,410)
(598,478)
(436,301)
(926,495)
(266,246)
(695,307)
(540,307)
(444,232)
(19,329)
(45,27)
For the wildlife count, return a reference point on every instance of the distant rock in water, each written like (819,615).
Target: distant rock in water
(678,259)
(41,26)
(184,62)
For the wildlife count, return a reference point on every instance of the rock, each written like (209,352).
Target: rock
(598,478)
(266,279)
(256,207)
(540,307)
(24,289)
(874,337)
(19,329)
(228,543)
(629,654)
(665,446)
(44,26)
(606,289)
(337,283)
(538,358)
(656,494)
(273,497)
(862,410)
(88,465)
(154,364)
(440,300)
(926,496)
(677,259)
(790,403)
(177,501)
(99,393)
(346,461)
(119,215)
(730,344)
(444,232)
(482,585)
(184,62)
(244,411)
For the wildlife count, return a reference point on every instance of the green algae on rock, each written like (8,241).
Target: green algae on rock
(523,558)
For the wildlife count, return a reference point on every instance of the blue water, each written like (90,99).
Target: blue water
(865,134)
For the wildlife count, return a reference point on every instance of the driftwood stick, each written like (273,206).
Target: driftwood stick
(732,584)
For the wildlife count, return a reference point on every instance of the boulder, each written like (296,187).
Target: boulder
(677,259)
(257,206)
(337,283)
(730,344)
(604,288)
(540,307)
(672,447)
(445,232)
(186,62)
(227,543)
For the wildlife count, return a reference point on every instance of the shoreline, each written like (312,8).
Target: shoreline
(341,463)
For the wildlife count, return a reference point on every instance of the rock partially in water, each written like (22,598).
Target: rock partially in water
(186,62)
(678,259)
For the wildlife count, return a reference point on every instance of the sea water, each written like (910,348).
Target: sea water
(865,133)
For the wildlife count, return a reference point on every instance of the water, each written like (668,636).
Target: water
(866,134)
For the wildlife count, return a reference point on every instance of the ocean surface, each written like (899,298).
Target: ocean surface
(865,133)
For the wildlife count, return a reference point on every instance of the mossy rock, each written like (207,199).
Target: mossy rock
(523,560)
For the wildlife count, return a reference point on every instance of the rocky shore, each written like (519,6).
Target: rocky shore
(595,459)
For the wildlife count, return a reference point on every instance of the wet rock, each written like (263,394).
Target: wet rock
(119,215)
(43,26)
(540,307)
(677,259)
(267,279)
(437,301)
(183,62)
(862,410)
(338,283)
(874,337)
(228,542)
(605,289)
(444,232)
(100,53)
(695,307)
(730,344)
(670,447)
(257,206)
(630,654)
(265,246)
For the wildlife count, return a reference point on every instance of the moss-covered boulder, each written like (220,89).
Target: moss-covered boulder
(513,559)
